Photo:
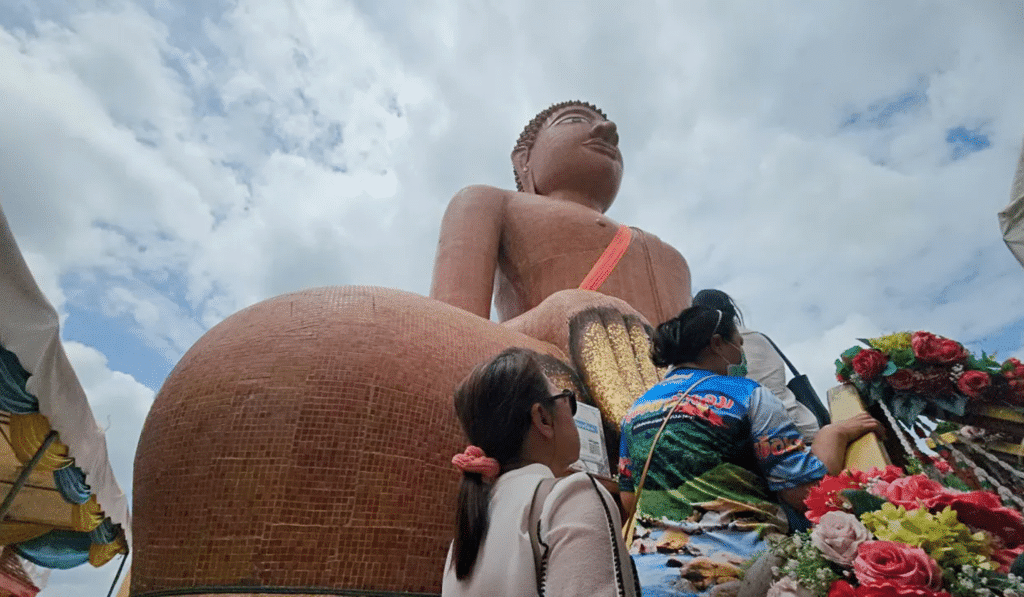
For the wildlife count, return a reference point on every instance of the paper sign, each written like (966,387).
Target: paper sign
(593,457)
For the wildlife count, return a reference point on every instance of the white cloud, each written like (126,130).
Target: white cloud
(119,404)
(178,162)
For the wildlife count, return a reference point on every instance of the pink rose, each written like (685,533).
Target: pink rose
(787,587)
(913,492)
(973,383)
(889,563)
(936,349)
(869,363)
(838,535)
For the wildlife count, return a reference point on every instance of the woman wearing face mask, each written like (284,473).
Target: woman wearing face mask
(763,363)
(706,459)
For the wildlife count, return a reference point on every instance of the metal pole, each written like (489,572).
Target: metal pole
(25,472)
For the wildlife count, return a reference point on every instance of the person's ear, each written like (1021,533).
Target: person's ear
(717,343)
(542,419)
(521,162)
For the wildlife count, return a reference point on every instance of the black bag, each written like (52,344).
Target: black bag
(803,390)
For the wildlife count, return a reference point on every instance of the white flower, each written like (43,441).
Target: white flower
(837,536)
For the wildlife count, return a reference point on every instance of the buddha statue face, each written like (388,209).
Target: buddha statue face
(573,147)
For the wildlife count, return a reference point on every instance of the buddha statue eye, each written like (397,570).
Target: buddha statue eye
(572,119)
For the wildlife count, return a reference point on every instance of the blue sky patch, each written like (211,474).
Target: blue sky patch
(964,141)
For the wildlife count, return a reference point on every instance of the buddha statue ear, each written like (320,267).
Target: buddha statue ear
(521,162)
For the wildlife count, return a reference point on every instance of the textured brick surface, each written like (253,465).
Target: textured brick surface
(306,442)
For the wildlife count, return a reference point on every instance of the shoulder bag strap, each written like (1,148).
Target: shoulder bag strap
(609,259)
(625,569)
(781,354)
(540,550)
(638,490)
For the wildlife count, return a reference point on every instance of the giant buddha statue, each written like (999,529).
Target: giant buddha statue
(303,445)
(532,244)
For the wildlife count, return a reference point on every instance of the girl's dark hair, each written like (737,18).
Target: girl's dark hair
(680,339)
(717,299)
(493,405)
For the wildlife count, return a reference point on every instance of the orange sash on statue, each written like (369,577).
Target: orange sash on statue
(607,261)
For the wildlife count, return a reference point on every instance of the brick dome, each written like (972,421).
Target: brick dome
(305,443)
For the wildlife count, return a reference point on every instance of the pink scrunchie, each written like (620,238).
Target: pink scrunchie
(473,460)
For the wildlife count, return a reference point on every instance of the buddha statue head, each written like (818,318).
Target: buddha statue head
(570,147)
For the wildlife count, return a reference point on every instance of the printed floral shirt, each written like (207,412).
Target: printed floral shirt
(708,501)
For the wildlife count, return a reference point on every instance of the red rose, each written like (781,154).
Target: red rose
(889,474)
(1013,368)
(933,380)
(891,590)
(936,349)
(869,363)
(983,510)
(841,588)
(902,379)
(973,383)
(1016,394)
(886,562)
(824,497)
(914,492)
(1005,557)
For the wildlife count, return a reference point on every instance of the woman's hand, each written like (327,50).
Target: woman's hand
(853,428)
(831,442)
(830,447)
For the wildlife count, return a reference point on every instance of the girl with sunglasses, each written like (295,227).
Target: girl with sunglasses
(521,433)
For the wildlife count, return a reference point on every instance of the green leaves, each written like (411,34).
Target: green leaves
(903,357)
(907,407)
(983,363)
(861,501)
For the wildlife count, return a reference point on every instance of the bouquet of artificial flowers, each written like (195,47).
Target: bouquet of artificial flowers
(887,534)
(920,373)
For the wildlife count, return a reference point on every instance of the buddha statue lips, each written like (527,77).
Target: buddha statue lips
(310,435)
(605,148)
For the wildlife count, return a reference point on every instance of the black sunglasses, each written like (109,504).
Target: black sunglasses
(567,393)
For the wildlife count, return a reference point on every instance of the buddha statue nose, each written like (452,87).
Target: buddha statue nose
(607,131)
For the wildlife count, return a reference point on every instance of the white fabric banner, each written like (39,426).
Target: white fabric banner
(29,327)
(1011,219)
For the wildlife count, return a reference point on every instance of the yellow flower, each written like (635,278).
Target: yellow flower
(892,342)
(941,535)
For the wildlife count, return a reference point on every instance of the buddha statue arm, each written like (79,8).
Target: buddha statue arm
(467,250)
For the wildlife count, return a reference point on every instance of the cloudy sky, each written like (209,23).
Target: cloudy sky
(836,167)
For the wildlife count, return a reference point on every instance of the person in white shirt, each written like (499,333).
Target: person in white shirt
(763,363)
(521,431)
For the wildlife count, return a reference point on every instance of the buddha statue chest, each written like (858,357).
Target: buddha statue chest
(548,246)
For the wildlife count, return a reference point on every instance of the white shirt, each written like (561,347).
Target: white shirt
(573,525)
(766,367)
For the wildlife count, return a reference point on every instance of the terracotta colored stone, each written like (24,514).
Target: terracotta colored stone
(306,442)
